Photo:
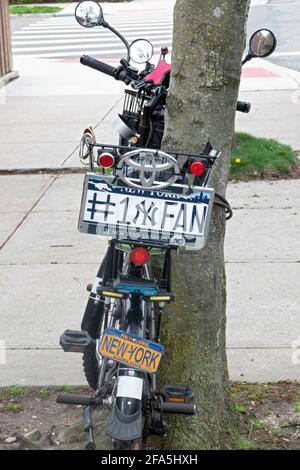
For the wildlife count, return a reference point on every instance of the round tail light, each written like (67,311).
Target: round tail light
(139,256)
(106,160)
(197,168)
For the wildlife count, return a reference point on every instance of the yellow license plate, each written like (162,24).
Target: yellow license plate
(131,350)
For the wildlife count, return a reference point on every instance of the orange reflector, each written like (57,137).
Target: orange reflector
(176,399)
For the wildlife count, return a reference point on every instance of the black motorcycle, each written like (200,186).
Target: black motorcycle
(146,201)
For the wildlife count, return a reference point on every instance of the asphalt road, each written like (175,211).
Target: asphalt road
(281,16)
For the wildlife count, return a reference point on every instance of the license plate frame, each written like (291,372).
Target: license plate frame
(130,350)
(189,228)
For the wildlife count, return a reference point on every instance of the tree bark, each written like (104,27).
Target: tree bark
(208,43)
(5,41)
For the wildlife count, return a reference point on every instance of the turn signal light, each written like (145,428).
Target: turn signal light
(139,256)
(197,168)
(106,160)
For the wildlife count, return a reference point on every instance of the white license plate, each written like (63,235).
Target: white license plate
(131,214)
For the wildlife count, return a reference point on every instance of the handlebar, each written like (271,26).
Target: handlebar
(97,65)
(243,106)
(119,73)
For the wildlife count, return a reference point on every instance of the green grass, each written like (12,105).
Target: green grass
(68,388)
(297,406)
(240,408)
(254,157)
(14,407)
(244,444)
(30,2)
(15,391)
(22,10)
(257,423)
(44,393)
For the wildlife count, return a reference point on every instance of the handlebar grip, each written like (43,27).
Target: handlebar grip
(243,106)
(97,65)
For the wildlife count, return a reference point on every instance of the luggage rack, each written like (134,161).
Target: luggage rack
(106,147)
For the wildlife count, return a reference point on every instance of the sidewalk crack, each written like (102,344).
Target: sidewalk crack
(46,189)
(95,127)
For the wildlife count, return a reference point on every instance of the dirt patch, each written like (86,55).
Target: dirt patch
(270,415)
(33,414)
(269,175)
(31,419)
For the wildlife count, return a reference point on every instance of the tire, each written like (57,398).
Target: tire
(92,322)
(90,360)
(91,366)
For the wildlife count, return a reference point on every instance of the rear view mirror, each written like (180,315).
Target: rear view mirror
(89,13)
(141,51)
(262,43)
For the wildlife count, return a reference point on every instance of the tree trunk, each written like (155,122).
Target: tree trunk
(208,43)
(5,42)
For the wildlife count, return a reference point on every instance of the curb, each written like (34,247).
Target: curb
(8,78)
(42,171)
(32,15)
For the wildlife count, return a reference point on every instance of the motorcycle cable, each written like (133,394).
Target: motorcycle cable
(220,201)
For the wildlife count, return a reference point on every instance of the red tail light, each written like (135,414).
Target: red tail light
(139,256)
(197,168)
(106,160)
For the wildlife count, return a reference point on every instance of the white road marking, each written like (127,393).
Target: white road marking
(282,54)
(77,28)
(100,51)
(80,41)
(102,45)
(63,37)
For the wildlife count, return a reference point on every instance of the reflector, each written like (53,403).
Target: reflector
(197,168)
(139,256)
(106,160)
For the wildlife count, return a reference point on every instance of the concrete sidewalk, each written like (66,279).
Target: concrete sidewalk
(45,263)
(45,111)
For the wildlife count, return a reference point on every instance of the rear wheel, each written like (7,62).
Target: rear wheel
(90,360)
(92,323)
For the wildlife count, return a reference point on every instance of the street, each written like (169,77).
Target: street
(45,264)
(62,37)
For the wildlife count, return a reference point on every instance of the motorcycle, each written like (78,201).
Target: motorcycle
(149,203)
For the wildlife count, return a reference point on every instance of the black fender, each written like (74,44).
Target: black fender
(125,420)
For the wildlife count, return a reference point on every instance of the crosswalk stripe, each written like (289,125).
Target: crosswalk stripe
(21,39)
(93,33)
(65,48)
(63,37)
(75,26)
(77,54)
(69,45)
(80,41)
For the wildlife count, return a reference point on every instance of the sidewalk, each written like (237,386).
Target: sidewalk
(45,263)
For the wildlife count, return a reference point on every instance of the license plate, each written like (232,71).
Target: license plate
(134,214)
(131,350)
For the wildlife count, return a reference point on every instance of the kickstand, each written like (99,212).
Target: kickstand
(88,427)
